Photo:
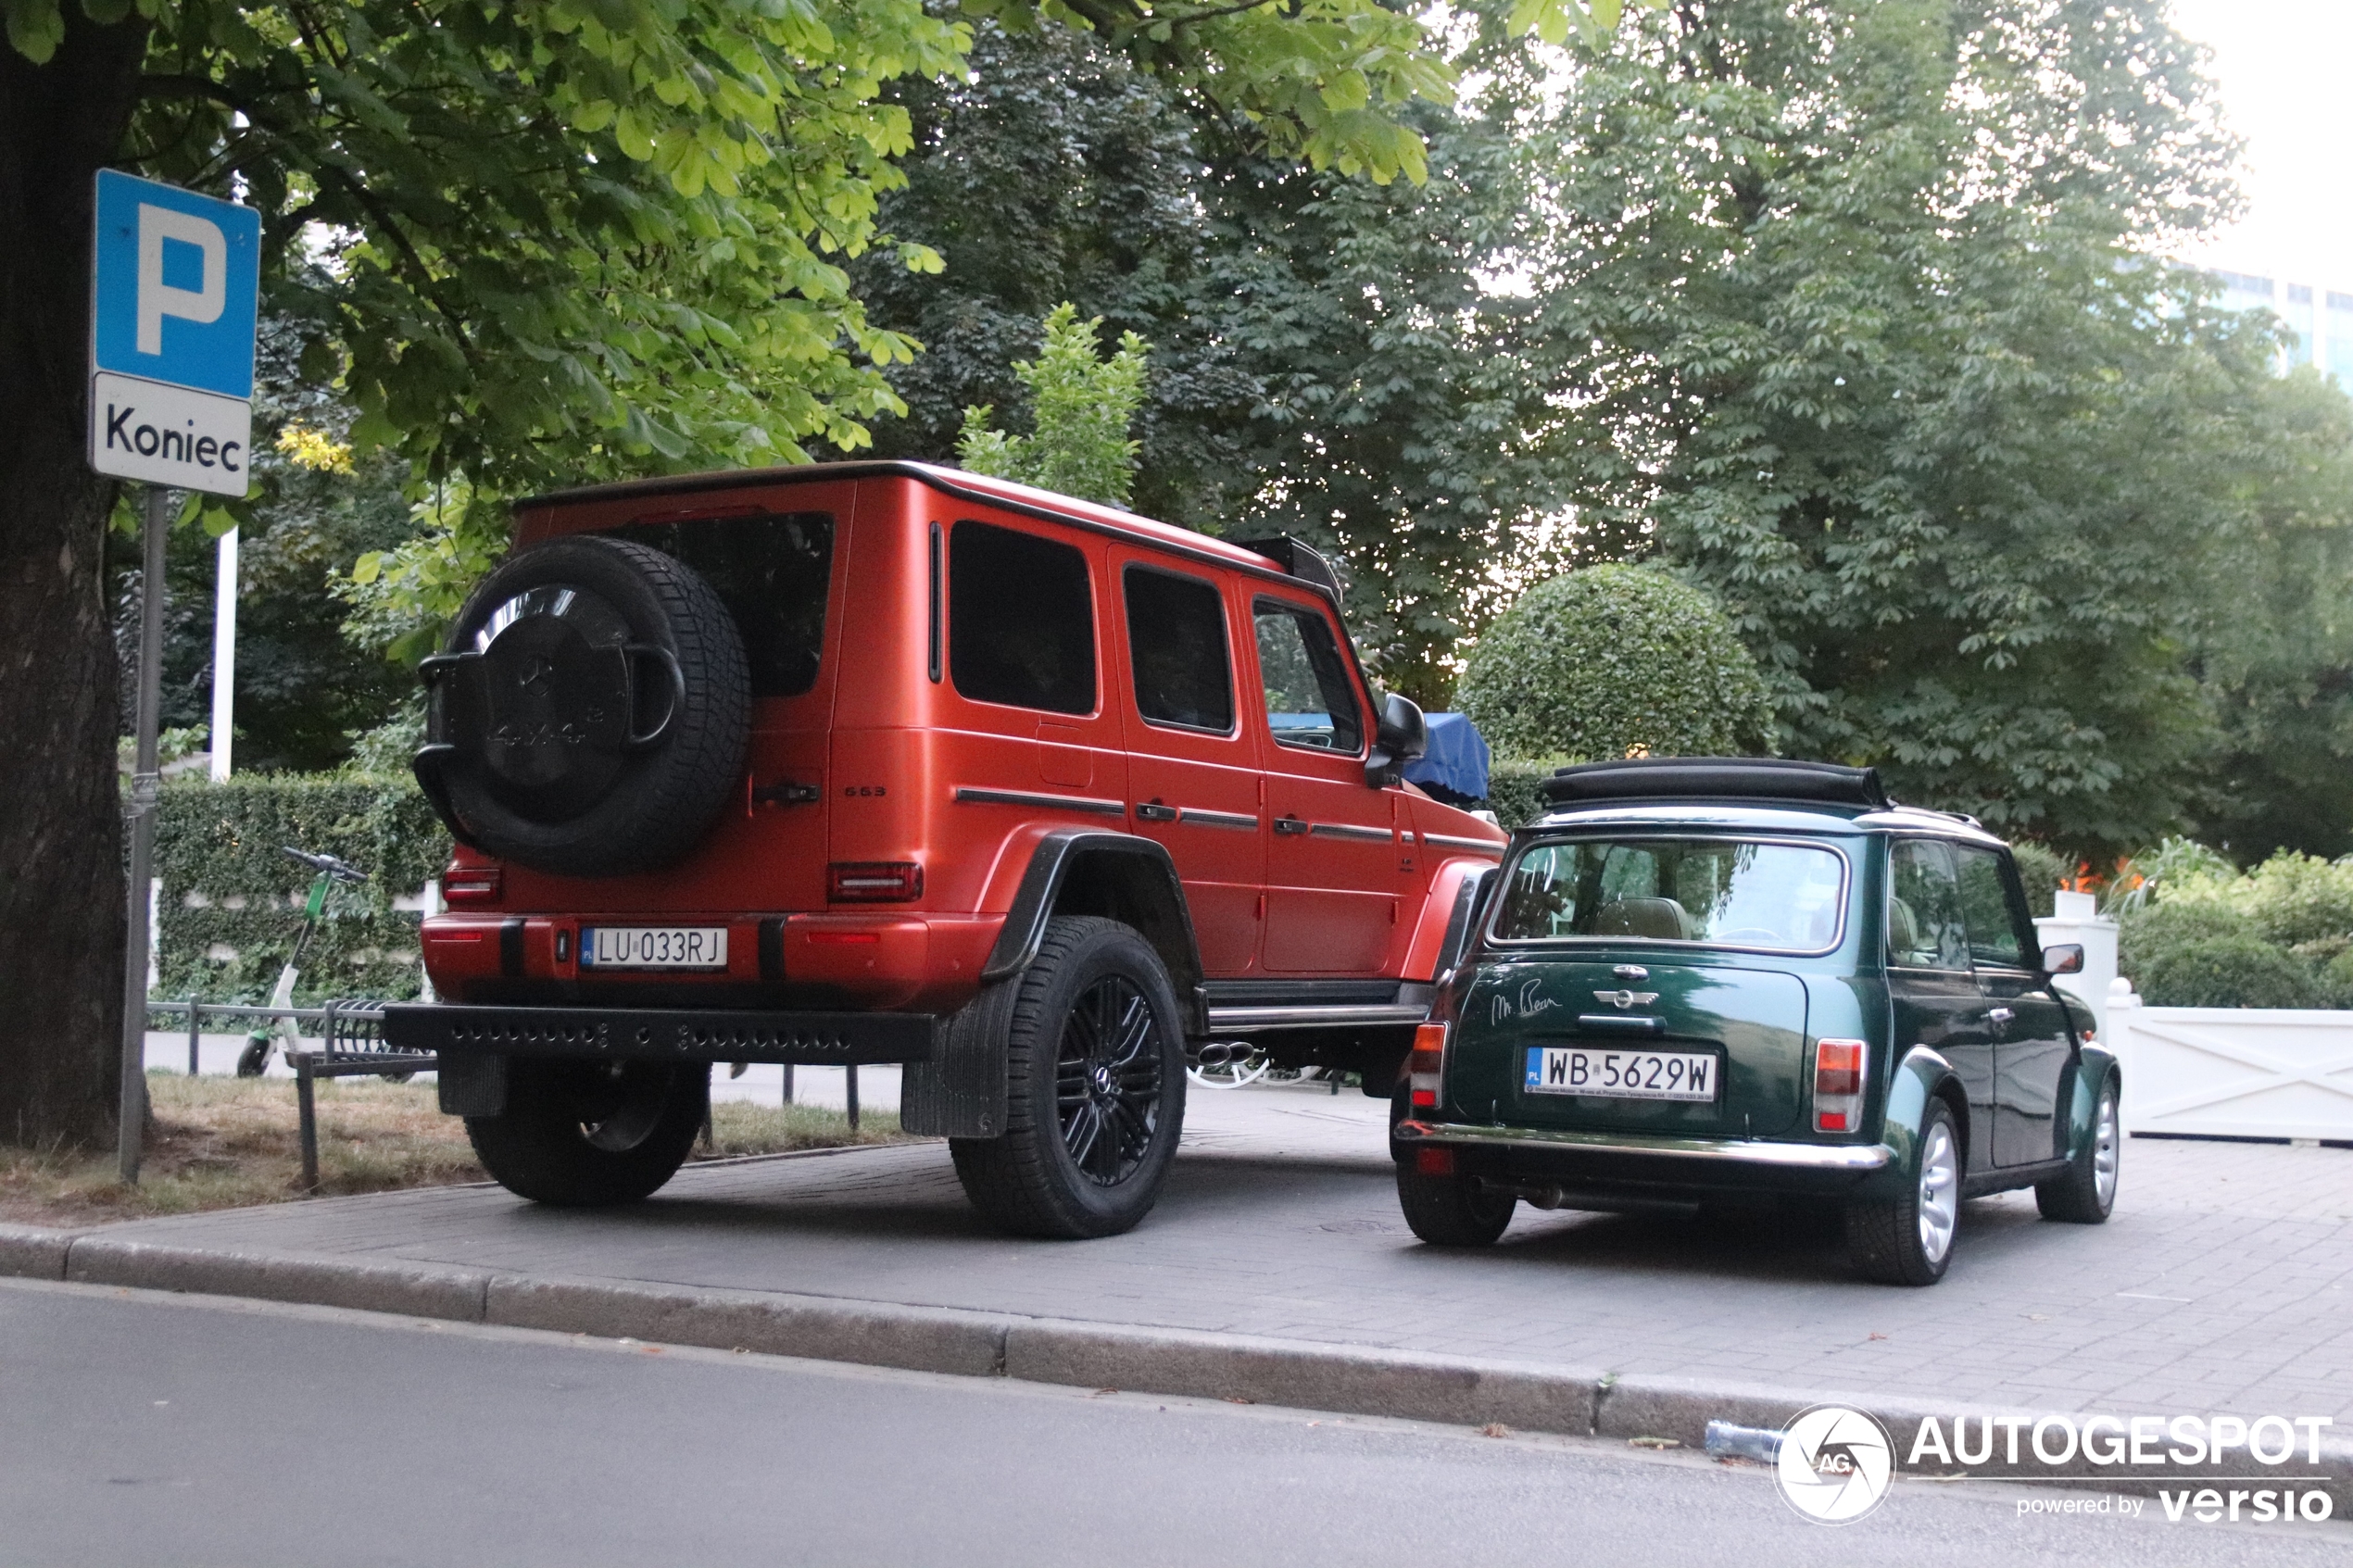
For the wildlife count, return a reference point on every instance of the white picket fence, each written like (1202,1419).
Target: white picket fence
(2241,1073)
(2229,1072)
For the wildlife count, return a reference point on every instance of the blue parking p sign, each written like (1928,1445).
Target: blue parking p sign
(174,286)
(177,278)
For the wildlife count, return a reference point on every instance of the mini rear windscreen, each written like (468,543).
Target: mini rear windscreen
(772,572)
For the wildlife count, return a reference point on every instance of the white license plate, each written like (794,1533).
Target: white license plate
(653,947)
(1567,1069)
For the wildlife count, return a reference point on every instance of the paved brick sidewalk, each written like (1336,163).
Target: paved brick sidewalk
(2223,1283)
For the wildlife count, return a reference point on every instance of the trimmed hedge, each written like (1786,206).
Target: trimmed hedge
(1615,662)
(2229,972)
(229,889)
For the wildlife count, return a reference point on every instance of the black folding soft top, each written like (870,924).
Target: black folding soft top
(1718,778)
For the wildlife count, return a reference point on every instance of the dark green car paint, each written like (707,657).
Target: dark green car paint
(1761,1013)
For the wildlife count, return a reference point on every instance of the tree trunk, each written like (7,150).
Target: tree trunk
(61,877)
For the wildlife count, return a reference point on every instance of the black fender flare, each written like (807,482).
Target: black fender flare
(1128,878)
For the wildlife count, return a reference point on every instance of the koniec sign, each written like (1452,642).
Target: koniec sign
(175,280)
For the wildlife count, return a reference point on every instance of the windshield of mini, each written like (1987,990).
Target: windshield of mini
(1722,892)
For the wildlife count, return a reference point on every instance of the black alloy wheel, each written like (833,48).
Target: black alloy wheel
(1094,1062)
(1107,1079)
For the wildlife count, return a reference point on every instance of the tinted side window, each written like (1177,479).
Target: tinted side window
(772,574)
(1310,700)
(1924,926)
(1021,619)
(1985,905)
(1177,644)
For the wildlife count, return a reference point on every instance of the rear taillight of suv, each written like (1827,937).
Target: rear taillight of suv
(1425,1066)
(473,885)
(873,882)
(1838,1084)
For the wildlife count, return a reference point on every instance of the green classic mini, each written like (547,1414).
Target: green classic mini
(1704,980)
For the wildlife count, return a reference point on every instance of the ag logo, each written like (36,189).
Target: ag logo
(1836,1464)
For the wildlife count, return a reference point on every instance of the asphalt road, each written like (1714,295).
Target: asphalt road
(140,1428)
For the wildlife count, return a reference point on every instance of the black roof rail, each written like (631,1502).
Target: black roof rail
(1718,778)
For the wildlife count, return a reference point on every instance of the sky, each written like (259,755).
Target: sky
(2285,69)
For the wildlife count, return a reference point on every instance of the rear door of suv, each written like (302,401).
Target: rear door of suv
(1192,764)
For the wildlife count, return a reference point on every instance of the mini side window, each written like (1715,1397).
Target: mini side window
(1924,926)
(1021,619)
(1177,647)
(1310,703)
(1993,915)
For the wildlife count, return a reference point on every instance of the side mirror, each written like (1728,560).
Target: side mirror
(2066,959)
(1401,735)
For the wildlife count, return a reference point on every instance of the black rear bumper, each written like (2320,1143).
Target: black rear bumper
(834,1039)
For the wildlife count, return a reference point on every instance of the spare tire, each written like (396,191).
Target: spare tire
(590,714)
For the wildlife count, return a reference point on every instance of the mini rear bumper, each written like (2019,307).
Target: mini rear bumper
(668,1034)
(1714,1164)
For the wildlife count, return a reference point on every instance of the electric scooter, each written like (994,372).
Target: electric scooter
(278,1033)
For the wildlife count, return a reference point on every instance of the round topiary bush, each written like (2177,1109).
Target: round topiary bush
(1614,660)
(2228,972)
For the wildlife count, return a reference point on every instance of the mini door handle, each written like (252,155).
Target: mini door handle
(2001,1015)
(1289,826)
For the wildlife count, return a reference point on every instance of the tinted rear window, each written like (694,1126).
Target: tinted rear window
(1176,642)
(1722,892)
(1021,619)
(772,574)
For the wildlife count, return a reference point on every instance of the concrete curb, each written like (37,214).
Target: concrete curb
(868,1333)
(1349,1379)
(1356,1380)
(33,1251)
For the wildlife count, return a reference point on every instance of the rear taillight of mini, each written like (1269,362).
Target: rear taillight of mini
(1838,1084)
(473,885)
(873,882)
(1425,1066)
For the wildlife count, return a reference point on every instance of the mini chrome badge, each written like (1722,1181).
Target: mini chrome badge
(1623,999)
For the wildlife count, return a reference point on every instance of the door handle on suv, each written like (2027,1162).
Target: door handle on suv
(1289,827)
(2001,1015)
(1154,811)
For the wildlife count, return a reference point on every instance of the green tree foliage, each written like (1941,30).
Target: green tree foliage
(2275,651)
(1081,407)
(1615,662)
(1328,358)
(1850,306)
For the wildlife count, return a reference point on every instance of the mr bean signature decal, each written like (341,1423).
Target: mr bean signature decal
(1528,1005)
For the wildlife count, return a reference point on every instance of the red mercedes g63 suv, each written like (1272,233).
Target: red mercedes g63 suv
(881,762)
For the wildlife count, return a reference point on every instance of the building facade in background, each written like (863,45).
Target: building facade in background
(2321,319)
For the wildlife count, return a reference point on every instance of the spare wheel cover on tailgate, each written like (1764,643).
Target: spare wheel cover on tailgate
(590,714)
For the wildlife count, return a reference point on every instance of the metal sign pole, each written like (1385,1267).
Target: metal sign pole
(143,783)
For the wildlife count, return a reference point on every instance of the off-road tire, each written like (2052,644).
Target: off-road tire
(542,1148)
(1029,1182)
(2076,1197)
(1451,1210)
(607,806)
(1884,1234)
